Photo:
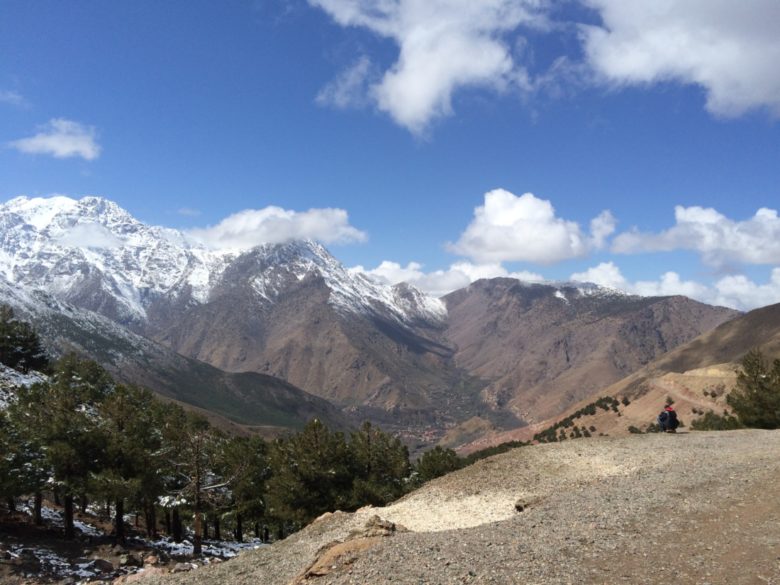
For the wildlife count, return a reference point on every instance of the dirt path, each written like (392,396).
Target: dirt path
(701,505)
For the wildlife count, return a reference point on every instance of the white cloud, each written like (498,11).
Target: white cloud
(717,238)
(90,235)
(605,274)
(61,138)
(670,283)
(738,292)
(441,282)
(742,293)
(731,49)
(188,212)
(601,227)
(252,227)
(349,88)
(12,98)
(444,45)
(525,228)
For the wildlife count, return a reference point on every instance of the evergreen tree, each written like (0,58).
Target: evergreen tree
(310,474)
(62,417)
(244,465)
(6,335)
(22,466)
(436,462)
(380,466)
(132,466)
(192,447)
(20,347)
(756,399)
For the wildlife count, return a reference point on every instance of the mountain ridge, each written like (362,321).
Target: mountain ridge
(506,351)
(248,400)
(697,376)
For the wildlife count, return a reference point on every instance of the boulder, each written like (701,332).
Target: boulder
(130,560)
(103,565)
(182,567)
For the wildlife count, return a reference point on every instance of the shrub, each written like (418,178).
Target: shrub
(489,451)
(634,430)
(716,422)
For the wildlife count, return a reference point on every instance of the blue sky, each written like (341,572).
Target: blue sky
(425,123)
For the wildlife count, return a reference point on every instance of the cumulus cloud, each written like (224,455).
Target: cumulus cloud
(61,138)
(349,88)
(605,274)
(670,283)
(526,228)
(717,238)
(742,293)
(252,227)
(444,45)
(89,235)
(441,282)
(730,49)
(736,291)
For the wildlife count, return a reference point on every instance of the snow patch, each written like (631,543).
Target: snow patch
(211,548)
(10,379)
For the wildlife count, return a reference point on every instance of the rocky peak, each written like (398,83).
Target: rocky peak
(97,255)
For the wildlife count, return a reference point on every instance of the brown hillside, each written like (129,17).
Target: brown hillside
(542,349)
(706,364)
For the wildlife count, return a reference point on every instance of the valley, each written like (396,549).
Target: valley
(265,339)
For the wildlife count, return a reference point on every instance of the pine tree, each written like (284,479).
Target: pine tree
(22,466)
(62,417)
(20,347)
(310,474)
(192,447)
(756,399)
(6,335)
(244,465)
(132,466)
(436,462)
(380,466)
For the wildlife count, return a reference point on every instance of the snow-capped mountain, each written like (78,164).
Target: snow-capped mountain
(275,265)
(289,310)
(250,398)
(501,348)
(95,254)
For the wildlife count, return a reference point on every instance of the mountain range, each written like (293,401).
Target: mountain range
(162,309)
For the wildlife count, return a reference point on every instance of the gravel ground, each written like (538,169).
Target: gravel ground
(692,508)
